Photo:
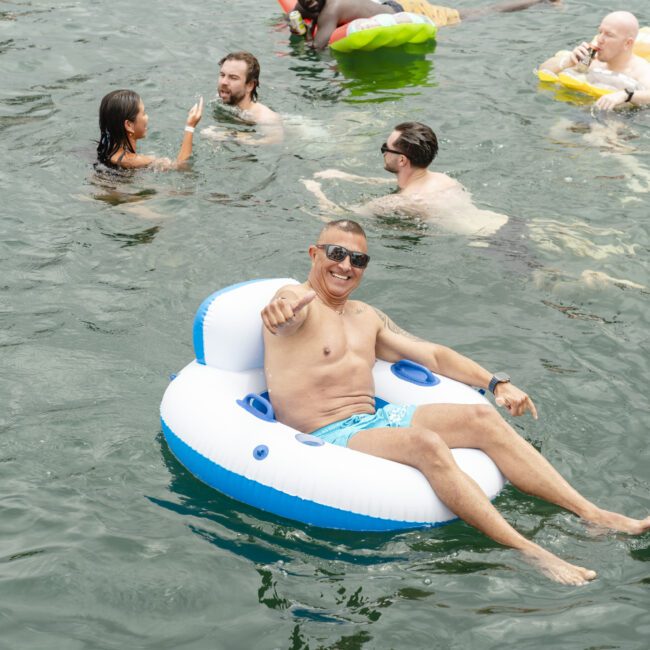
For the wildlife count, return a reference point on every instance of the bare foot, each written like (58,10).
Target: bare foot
(559,570)
(621,523)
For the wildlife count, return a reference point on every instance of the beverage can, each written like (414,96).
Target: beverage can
(585,62)
(297,24)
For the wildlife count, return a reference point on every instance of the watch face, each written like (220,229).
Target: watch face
(502,376)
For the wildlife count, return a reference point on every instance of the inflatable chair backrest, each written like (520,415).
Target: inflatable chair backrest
(228,328)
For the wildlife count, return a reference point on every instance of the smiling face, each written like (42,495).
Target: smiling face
(137,128)
(335,281)
(233,87)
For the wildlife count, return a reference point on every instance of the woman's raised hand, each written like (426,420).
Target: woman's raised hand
(195,114)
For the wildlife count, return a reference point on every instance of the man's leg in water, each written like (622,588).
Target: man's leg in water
(482,427)
(425,450)
(501,7)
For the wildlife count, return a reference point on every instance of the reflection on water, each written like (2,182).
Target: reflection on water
(580,238)
(322,576)
(25,109)
(364,77)
(614,138)
(562,94)
(114,185)
(134,238)
(113,196)
(575,312)
(371,76)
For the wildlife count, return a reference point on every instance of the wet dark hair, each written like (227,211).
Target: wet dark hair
(314,14)
(116,107)
(346,225)
(252,68)
(418,142)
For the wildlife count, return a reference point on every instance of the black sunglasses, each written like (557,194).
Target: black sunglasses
(339,253)
(385,149)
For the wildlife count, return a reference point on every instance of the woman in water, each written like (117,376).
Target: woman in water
(123,121)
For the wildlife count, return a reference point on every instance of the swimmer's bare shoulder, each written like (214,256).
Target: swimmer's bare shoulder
(264,115)
(448,180)
(440,182)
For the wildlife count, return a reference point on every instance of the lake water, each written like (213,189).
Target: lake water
(105,540)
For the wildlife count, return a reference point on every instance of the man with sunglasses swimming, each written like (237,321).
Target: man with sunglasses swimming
(431,196)
(320,349)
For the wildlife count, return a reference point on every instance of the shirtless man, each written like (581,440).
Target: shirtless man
(320,348)
(327,15)
(239,79)
(432,196)
(614,43)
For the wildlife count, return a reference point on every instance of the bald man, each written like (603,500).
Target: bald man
(614,43)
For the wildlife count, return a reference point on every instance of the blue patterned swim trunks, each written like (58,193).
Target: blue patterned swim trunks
(390,415)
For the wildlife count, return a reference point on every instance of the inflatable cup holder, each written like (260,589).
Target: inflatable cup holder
(258,406)
(414,373)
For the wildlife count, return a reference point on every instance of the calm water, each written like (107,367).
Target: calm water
(105,541)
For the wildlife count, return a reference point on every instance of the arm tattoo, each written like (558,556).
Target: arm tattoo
(391,326)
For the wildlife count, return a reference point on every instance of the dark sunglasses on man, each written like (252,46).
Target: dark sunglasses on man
(385,149)
(339,253)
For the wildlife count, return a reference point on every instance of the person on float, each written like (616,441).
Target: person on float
(320,350)
(327,15)
(613,54)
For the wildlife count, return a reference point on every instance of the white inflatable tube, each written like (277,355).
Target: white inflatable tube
(219,425)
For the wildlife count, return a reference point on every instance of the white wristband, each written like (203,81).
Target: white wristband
(189,129)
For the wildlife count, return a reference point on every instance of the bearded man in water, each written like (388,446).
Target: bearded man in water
(320,349)
(239,79)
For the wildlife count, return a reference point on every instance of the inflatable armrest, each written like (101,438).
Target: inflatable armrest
(227,330)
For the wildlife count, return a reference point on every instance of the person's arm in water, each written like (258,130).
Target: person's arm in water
(353,178)
(287,311)
(267,132)
(640,97)
(323,202)
(327,205)
(394,344)
(327,22)
(138,161)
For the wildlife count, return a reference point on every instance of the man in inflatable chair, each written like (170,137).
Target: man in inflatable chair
(320,349)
